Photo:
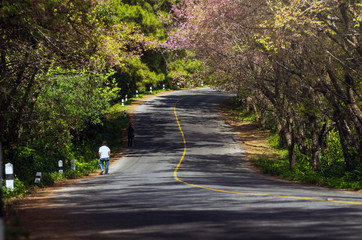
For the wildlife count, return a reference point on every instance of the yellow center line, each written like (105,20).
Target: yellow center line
(242,193)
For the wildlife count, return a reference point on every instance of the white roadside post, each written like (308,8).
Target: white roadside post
(73,165)
(202,83)
(163,86)
(150,89)
(136,93)
(37,178)
(126,97)
(125,113)
(60,164)
(9,176)
(122,102)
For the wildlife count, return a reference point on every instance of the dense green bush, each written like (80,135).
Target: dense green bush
(273,141)
(19,189)
(334,175)
(238,110)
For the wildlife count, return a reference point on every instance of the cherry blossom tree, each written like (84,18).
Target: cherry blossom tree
(298,59)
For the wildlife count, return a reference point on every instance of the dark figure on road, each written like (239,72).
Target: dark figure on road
(130,132)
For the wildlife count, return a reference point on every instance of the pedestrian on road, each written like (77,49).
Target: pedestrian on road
(104,156)
(130,133)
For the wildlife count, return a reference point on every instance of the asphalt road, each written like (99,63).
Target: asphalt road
(213,194)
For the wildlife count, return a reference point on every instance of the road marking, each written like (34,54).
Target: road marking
(242,193)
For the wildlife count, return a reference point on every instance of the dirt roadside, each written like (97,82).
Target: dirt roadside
(34,212)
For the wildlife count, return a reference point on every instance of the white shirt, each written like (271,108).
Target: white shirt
(104,152)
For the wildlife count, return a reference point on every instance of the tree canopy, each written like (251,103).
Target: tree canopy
(64,63)
(298,63)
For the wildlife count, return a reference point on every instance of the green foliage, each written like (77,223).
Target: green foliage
(82,169)
(65,108)
(238,110)
(28,162)
(139,76)
(154,67)
(274,141)
(333,152)
(160,5)
(75,99)
(47,179)
(184,71)
(19,189)
(110,130)
(235,104)
(333,170)
(334,175)
(116,11)
(149,69)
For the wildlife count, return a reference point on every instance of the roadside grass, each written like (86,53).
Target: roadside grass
(331,177)
(332,174)
(237,111)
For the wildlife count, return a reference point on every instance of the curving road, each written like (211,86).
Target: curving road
(213,194)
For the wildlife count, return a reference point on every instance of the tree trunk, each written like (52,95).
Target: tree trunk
(263,118)
(300,139)
(281,132)
(316,147)
(344,135)
(355,114)
(256,112)
(290,142)
(345,116)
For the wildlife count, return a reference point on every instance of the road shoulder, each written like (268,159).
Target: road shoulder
(252,137)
